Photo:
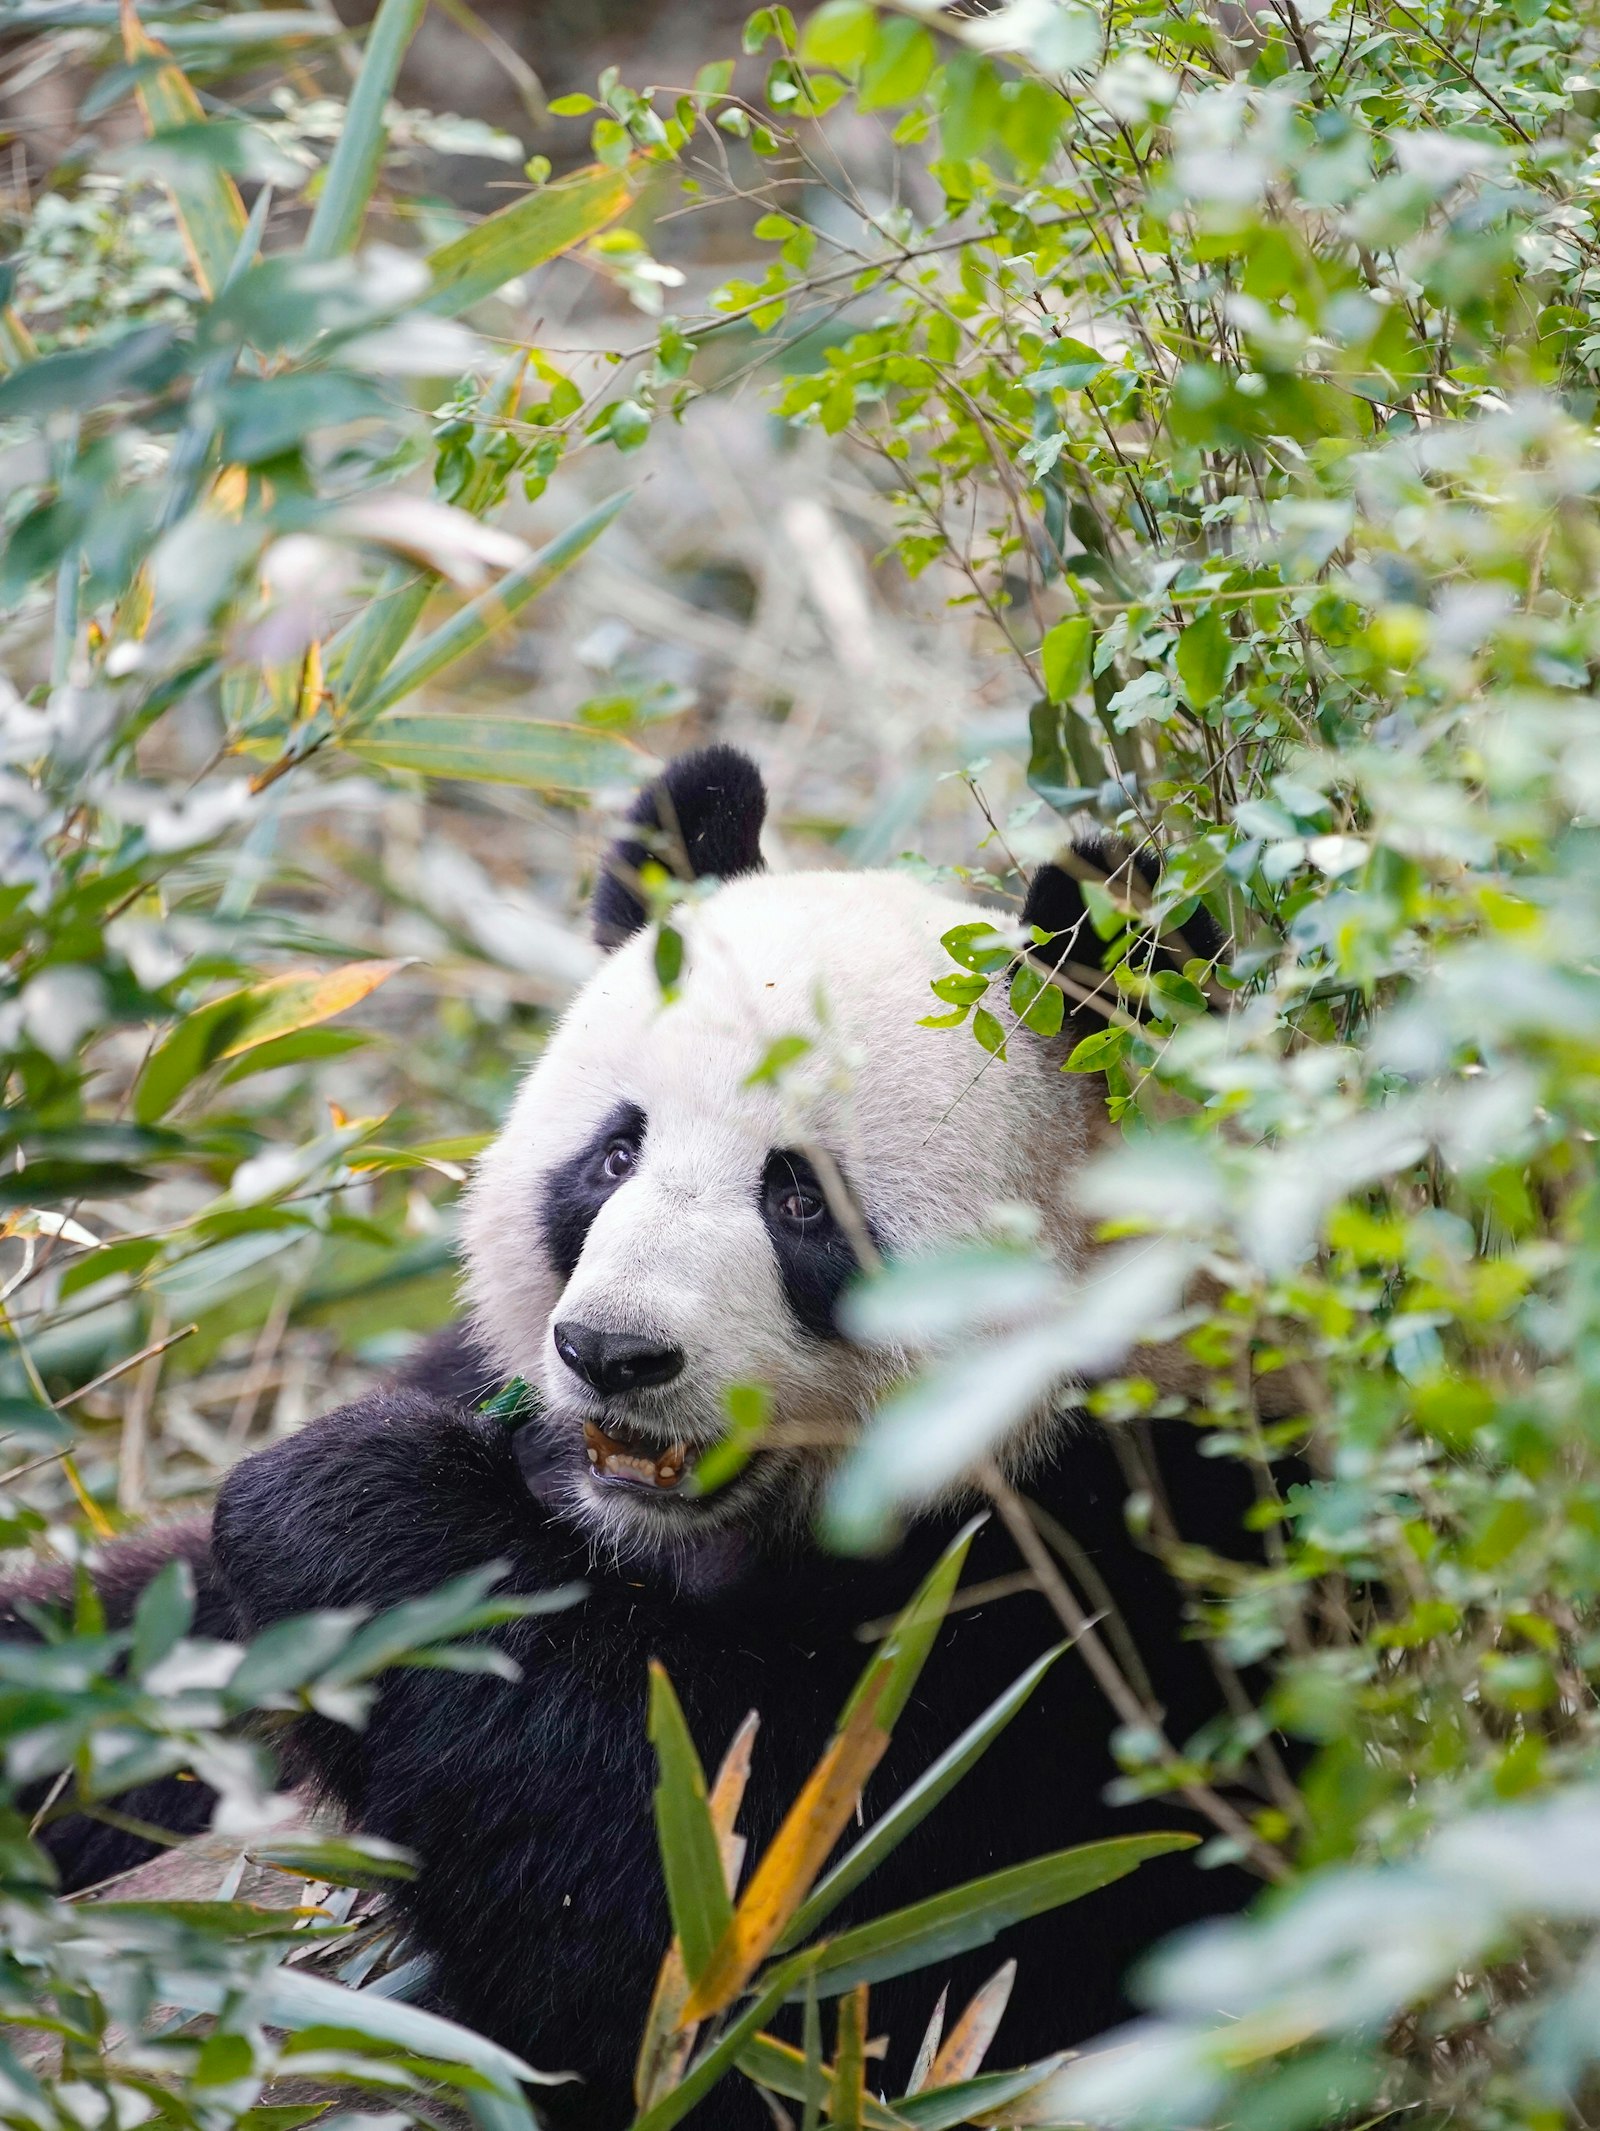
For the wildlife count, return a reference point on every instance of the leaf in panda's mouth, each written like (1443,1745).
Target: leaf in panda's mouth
(622,1454)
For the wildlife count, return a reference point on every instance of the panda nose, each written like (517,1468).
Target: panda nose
(615,1361)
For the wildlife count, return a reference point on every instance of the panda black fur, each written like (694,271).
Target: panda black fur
(650,1229)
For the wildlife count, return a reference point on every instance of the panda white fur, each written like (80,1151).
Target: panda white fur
(654,1225)
(649,1198)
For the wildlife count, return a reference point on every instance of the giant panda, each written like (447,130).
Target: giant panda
(657,1222)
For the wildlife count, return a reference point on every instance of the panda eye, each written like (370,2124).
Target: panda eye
(618,1161)
(801,1207)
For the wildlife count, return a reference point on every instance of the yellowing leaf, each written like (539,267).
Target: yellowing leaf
(967,2043)
(796,1854)
(538,227)
(209,210)
(302,997)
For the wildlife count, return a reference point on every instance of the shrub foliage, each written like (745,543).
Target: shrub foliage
(1239,365)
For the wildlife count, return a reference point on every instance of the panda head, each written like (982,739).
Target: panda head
(661,1220)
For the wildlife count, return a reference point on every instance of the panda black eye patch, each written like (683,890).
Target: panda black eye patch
(575,1191)
(815,1256)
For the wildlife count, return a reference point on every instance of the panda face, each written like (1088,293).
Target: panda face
(663,1220)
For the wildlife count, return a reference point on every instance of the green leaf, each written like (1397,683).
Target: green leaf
(1099,1052)
(839,34)
(523,751)
(898,1664)
(1202,659)
(458,1608)
(900,66)
(348,1861)
(1181,999)
(974,2100)
(691,1863)
(1037,1004)
(991,1036)
(914,1805)
(162,1616)
(83,378)
(972,1915)
(778,1056)
(206,200)
(262,417)
(977,947)
(524,235)
(959,989)
(709,2067)
(1064,657)
(1072,364)
(782,2069)
(352,172)
(289,1998)
(474,623)
(668,957)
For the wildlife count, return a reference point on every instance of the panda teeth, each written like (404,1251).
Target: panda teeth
(663,1468)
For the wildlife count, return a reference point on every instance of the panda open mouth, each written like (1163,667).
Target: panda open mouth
(624,1454)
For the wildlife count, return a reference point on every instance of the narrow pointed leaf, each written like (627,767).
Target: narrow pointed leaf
(697,1893)
(206,200)
(976,2100)
(963,2053)
(474,623)
(915,1804)
(971,1915)
(792,1860)
(928,2047)
(667,2041)
(904,1652)
(300,998)
(517,238)
(782,2069)
(848,2099)
(708,2068)
(352,171)
(525,751)
(830,1794)
(378,636)
(288,1998)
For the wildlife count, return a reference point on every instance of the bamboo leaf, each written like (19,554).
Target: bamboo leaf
(205,198)
(514,239)
(971,1915)
(300,998)
(668,2041)
(831,1792)
(227,1027)
(780,1882)
(525,751)
(968,2042)
(475,622)
(928,2047)
(697,1893)
(782,2069)
(352,171)
(709,2067)
(980,2100)
(847,2099)
(904,1652)
(915,1804)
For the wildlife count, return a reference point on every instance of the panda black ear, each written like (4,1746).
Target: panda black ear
(1056,904)
(700,819)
